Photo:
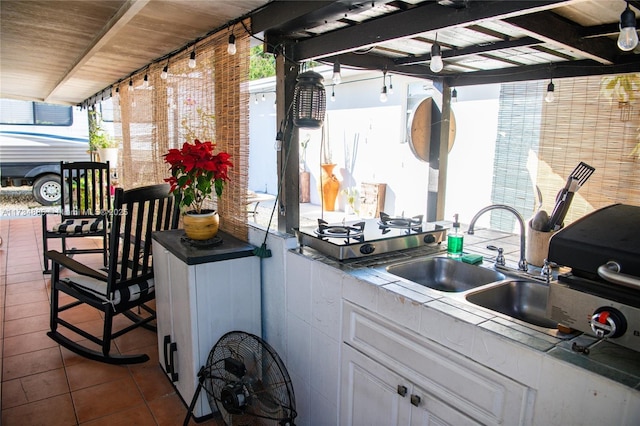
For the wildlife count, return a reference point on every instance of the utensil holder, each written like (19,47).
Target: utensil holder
(537,248)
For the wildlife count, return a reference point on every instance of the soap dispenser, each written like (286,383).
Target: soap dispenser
(455,240)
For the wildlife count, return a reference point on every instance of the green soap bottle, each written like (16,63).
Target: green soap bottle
(455,240)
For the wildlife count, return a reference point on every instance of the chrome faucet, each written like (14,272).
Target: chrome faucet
(522,264)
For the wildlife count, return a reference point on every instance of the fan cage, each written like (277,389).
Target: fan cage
(310,101)
(265,386)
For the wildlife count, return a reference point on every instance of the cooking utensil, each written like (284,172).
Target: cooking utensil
(540,221)
(576,179)
(562,205)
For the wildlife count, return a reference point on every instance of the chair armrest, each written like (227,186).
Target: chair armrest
(74,265)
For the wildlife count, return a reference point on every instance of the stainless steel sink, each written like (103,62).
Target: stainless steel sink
(519,299)
(444,274)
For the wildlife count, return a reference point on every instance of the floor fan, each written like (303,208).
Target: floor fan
(247,382)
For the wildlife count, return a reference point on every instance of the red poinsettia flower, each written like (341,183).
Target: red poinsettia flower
(196,172)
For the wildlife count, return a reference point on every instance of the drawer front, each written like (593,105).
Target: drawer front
(475,390)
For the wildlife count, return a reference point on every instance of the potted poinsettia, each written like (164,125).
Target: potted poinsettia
(196,171)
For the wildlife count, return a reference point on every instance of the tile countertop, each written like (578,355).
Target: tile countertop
(606,359)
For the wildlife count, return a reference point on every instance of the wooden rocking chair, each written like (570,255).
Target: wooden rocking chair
(127,286)
(84,205)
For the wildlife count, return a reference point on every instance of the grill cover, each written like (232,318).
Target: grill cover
(611,233)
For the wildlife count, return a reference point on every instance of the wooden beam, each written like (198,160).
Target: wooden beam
(555,30)
(125,14)
(583,68)
(421,19)
(471,50)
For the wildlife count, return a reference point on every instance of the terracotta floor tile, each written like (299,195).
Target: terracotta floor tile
(34,388)
(26,287)
(56,411)
(82,313)
(20,278)
(24,343)
(26,297)
(152,381)
(140,415)
(24,268)
(90,373)
(105,399)
(30,363)
(26,325)
(133,341)
(25,310)
(168,410)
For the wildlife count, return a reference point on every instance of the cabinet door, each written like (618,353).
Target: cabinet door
(163,303)
(371,393)
(427,410)
(182,309)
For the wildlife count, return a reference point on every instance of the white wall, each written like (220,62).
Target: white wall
(383,154)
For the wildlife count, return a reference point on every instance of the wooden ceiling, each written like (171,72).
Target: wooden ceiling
(66,51)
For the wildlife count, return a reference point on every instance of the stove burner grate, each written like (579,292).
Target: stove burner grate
(339,231)
(402,222)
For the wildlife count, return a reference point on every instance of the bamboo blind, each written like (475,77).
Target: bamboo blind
(582,125)
(208,102)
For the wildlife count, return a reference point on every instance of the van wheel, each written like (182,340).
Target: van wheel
(47,190)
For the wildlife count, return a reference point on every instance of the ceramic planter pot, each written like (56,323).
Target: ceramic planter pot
(201,226)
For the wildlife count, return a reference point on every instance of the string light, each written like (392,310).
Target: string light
(550,92)
(628,38)
(231,47)
(263,98)
(145,82)
(192,59)
(383,92)
(333,94)
(454,95)
(390,86)
(337,78)
(436,63)
(130,85)
(165,72)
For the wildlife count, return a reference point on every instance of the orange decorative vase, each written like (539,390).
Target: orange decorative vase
(201,226)
(330,187)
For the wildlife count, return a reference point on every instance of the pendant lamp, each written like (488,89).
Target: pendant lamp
(309,101)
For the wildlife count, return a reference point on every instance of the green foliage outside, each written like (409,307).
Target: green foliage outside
(262,64)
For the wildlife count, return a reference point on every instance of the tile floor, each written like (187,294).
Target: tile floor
(44,384)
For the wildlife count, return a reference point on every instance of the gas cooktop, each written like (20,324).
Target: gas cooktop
(367,237)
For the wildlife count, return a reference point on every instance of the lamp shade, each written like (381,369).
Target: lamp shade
(310,101)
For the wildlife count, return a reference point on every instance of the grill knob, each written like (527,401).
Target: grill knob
(367,249)
(429,239)
(608,322)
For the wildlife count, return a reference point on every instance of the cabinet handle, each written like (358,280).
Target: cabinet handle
(167,342)
(402,390)
(173,348)
(415,400)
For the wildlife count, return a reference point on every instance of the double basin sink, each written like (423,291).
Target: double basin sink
(507,294)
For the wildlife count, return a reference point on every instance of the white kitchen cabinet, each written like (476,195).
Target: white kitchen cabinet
(200,296)
(392,377)
(375,395)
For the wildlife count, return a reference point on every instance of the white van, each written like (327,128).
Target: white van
(34,138)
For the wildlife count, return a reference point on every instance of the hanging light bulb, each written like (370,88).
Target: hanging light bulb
(333,94)
(263,98)
(337,78)
(550,92)
(130,85)
(628,38)
(390,86)
(454,95)
(383,92)
(165,72)
(231,47)
(192,59)
(145,82)
(255,101)
(436,64)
